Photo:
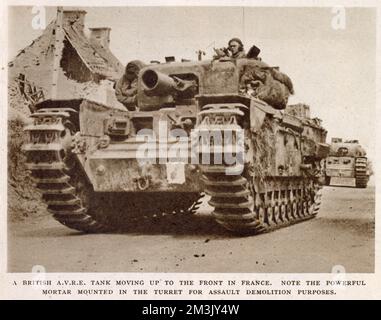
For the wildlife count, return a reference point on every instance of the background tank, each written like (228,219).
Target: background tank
(347,164)
(96,165)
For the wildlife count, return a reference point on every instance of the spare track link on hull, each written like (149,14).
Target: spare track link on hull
(238,208)
(361,167)
(47,158)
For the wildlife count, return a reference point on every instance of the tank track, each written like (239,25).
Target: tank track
(239,208)
(361,175)
(50,164)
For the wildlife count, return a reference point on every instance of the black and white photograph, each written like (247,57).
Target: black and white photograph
(191,141)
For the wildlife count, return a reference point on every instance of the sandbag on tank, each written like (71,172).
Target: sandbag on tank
(266,83)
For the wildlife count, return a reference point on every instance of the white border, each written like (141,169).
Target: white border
(7,291)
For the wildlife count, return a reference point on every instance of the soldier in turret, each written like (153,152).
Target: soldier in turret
(236,48)
(126,88)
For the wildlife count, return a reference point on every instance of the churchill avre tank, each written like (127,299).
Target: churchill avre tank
(220,127)
(347,164)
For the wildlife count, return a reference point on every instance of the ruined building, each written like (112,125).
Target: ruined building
(63,63)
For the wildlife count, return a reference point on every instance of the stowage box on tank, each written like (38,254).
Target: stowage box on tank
(218,127)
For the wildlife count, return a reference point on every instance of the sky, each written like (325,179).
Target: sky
(333,70)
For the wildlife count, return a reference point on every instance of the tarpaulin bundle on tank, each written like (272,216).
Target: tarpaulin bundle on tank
(266,83)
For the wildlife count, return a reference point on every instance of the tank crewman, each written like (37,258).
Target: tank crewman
(233,51)
(235,46)
(126,88)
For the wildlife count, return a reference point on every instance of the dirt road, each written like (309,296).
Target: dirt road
(342,234)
